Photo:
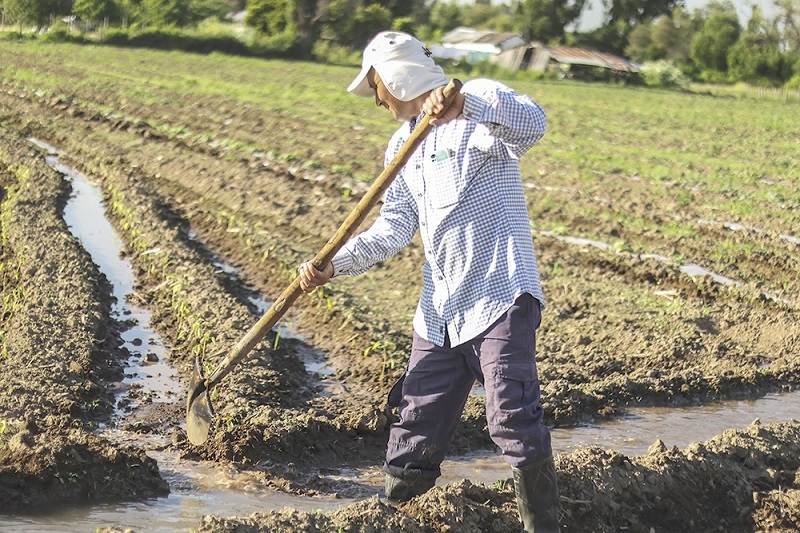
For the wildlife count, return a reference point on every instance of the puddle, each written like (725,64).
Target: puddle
(148,375)
(314,360)
(697,271)
(198,489)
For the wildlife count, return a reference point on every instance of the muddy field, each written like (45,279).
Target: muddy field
(622,327)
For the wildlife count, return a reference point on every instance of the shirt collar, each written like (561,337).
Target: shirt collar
(414,121)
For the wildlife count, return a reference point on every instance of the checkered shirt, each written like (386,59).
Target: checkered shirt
(463,191)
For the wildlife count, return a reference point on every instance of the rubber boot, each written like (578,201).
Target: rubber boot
(399,490)
(536,487)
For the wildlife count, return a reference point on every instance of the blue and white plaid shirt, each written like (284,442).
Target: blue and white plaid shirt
(463,190)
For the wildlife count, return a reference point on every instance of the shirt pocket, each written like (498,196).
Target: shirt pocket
(449,175)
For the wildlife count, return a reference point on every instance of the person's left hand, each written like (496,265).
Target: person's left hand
(435,104)
(311,278)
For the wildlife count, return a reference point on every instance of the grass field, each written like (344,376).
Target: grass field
(640,168)
(632,193)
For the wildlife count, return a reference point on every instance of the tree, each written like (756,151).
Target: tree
(19,11)
(477,15)
(271,17)
(621,17)
(164,13)
(130,10)
(200,10)
(351,23)
(308,19)
(788,20)
(545,20)
(719,32)
(94,10)
(445,16)
(632,11)
(403,8)
(34,12)
(756,56)
(672,35)
(667,37)
(640,44)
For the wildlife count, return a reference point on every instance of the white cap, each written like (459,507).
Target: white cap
(404,65)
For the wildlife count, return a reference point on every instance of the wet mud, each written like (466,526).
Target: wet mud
(620,329)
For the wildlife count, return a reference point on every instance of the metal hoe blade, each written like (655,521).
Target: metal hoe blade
(199,412)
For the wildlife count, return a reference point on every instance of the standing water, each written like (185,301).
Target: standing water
(198,489)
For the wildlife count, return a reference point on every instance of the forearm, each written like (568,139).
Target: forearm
(380,242)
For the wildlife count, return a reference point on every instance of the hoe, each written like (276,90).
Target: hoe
(199,412)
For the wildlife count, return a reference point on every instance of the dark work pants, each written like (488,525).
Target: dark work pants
(438,382)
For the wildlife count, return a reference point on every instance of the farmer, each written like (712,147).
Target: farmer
(481,297)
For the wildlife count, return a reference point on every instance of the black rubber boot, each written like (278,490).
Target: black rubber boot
(536,487)
(399,490)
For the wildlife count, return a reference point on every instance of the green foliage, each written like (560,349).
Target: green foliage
(351,23)
(545,20)
(630,12)
(173,39)
(274,23)
(666,37)
(757,57)
(335,54)
(755,60)
(35,13)
(405,24)
(662,74)
(95,10)
(164,13)
(711,43)
(200,10)
(445,16)
(60,34)
(640,44)
(271,17)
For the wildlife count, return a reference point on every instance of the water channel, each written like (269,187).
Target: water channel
(199,489)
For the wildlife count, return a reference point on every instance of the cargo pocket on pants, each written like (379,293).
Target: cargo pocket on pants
(515,393)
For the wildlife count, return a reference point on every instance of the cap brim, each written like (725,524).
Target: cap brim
(360,85)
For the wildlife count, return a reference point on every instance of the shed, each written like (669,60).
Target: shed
(569,56)
(476,45)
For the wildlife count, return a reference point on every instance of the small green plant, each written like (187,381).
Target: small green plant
(390,355)
(277,339)
(341,169)
(324,297)
(621,246)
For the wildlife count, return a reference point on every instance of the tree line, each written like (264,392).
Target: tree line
(709,44)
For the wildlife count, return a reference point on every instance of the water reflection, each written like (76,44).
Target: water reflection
(149,376)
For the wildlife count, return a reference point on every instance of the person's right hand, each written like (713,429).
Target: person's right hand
(311,277)
(435,104)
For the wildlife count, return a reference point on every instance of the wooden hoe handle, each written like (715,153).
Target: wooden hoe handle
(346,230)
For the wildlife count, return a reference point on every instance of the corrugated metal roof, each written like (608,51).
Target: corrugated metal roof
(464,35)
(581,56)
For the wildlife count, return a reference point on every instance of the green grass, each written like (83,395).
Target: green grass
(713,156)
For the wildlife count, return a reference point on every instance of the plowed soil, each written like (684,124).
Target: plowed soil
(622,327)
